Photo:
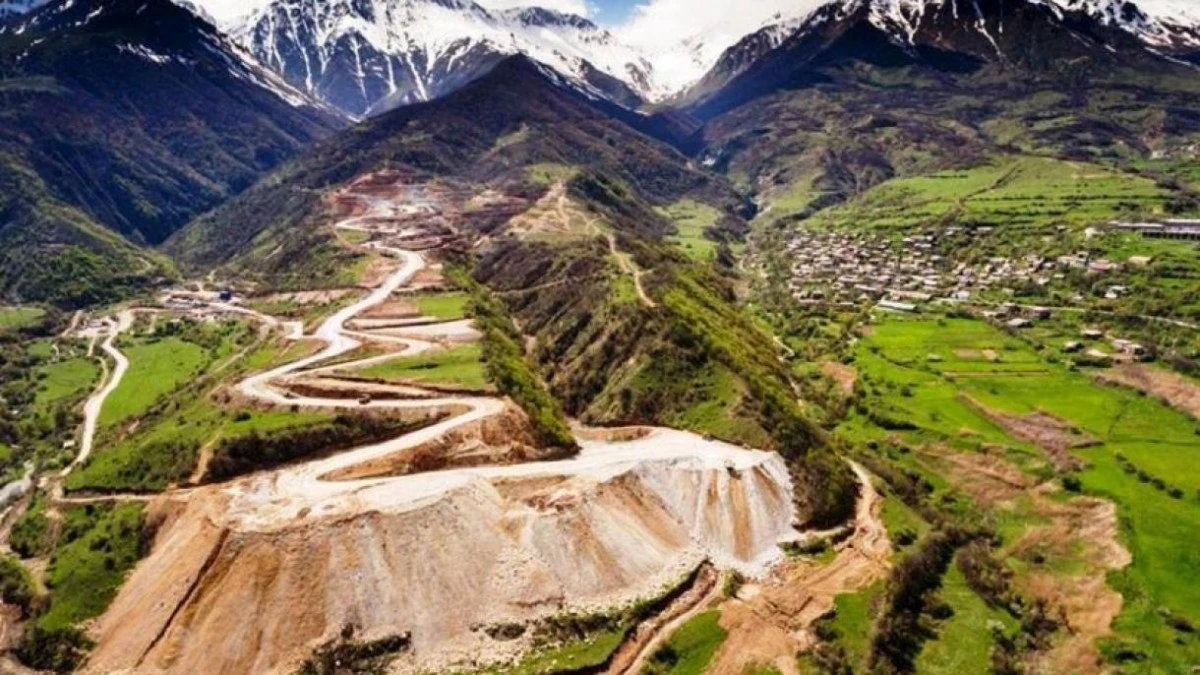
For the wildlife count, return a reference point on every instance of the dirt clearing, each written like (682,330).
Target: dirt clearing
(1068,550)
(1175,390)
(845,376)
(770,622)
(1054,436)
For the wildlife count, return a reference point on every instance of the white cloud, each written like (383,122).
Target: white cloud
(684,38)
(659,23)
(580,7)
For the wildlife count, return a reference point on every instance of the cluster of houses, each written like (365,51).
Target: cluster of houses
(853,268)
(1122,350)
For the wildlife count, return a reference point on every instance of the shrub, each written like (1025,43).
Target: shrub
(899,630)
(16,586)
(346,655)
(255,451)
(60,650)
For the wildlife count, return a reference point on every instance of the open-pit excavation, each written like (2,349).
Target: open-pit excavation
(255,574)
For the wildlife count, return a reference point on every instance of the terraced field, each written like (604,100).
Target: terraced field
(1012,192)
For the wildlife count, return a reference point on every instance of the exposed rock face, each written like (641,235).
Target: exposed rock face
(225,593)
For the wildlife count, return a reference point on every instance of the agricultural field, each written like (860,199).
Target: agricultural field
(1012,192)
(12,318)
(943,397)
(459,367)
(692,219)
(443,306)
(964,640)
(176,424)
(156,368)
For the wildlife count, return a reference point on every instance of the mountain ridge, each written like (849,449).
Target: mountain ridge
(367,56)
(943,34)
(521,113)
(131,116)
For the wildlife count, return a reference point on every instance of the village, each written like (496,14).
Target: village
(858,269)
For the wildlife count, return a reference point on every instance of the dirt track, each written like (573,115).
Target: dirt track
(770,622)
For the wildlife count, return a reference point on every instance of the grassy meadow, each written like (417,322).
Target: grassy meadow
(1013,192)
(923,371)
(692,219)
(459,367)
(172,390)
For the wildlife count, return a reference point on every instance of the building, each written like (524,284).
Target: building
(896,306)
(1175,228)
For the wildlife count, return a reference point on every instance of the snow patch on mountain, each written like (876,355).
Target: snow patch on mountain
(1157,23)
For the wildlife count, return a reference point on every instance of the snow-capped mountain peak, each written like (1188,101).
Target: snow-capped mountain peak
(1158,23)
(364,55)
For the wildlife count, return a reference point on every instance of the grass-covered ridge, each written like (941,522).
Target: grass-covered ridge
(508,369)
(1008,192)
(687,355)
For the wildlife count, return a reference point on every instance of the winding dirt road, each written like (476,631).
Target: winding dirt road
(281,497)
(91,409)
(732,503)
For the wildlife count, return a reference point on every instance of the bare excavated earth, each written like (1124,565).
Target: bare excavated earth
(220,593)
(771,621)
